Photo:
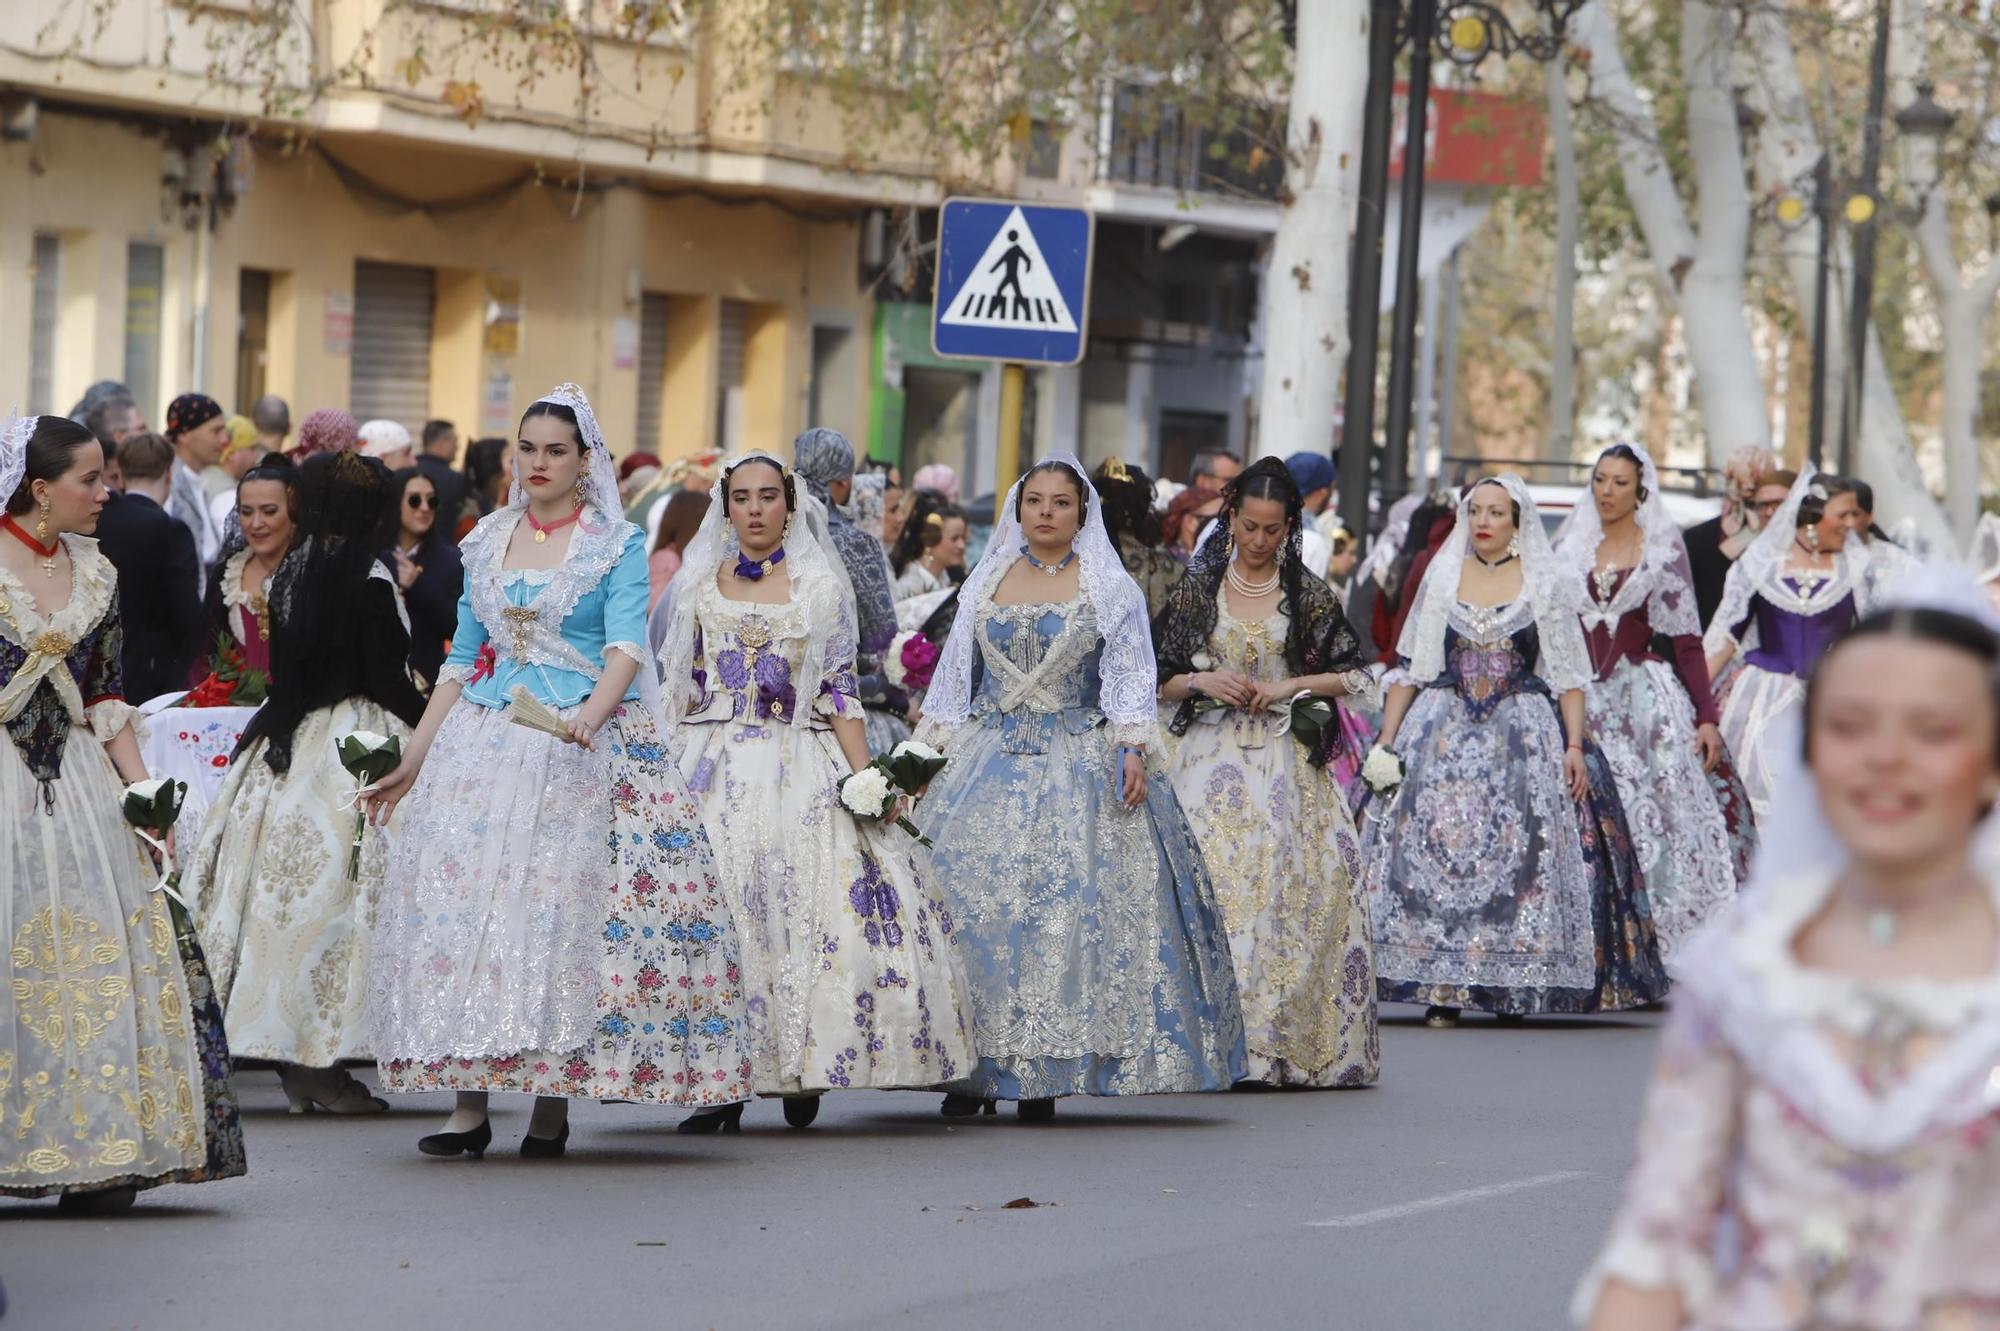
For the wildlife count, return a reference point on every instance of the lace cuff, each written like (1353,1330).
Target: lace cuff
(460,675)
(937,734)
(1134,734)
(1362,691)
(108,716)
(642,657)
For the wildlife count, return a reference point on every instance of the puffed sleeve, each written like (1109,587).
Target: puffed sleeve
(466,640)
(1663,1236)
(627,589)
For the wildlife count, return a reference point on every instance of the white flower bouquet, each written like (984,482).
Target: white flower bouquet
(906,770)
(369,757)
(1383,770)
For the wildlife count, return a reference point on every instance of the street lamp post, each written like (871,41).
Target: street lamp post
(1861,215)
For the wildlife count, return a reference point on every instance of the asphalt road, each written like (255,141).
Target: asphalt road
(1468,1190)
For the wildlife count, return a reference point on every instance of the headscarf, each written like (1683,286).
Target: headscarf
(327,430)
(1318,638)
(867,502)
(242,434)
(936,476)
(634,461)
(818,582)
(1128,675)
(190,411)
(1662,581)
(821,457)
(1565,661)
(380,438)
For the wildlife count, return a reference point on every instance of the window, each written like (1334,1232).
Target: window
(47,275)
(145,271)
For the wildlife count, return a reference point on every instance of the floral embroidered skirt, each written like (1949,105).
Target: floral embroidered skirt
(286,929)
(1488,885)
(1286,860)
(553,924)
(1692,831)
(1096,954)
(113,1065)
(848,956)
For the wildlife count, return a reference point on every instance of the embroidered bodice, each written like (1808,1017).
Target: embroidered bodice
(549,629)
(1788,641)
(63,670)
(748,661)
(1618,628)
(1038,668)
(1490,654)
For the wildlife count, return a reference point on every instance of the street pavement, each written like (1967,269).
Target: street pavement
(1468,1190)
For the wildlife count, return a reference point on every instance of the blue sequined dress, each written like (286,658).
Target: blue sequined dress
(1095,955)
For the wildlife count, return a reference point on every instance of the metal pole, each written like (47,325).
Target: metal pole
(1864,243)
(1823,207)
(1364,311)
(1426,405)
(1403,338)
(1448,389)
(1007,455)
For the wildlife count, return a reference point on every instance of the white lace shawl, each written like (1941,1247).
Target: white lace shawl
(819,583)
(1564,660)
(1662,581)
(1773,1011)
(1129,679)
(1760,569)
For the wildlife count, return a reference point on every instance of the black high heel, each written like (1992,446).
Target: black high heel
(473,1143)
(1035,1111)
(966,1106)
(545,1148)
(801,1110)
(729,1118)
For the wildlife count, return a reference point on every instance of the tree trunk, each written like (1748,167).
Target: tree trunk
(1702,275)
(1306,296)
(1787,148)
(1562,349)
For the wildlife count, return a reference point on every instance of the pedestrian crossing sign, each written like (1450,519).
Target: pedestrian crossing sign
(1013,282)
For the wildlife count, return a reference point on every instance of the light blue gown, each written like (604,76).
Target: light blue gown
(1095,956)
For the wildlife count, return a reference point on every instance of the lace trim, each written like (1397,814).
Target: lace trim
(532,633)
(108,716)
(93,584)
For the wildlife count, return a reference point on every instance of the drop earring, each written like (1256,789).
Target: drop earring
(579,492)
(1812,539)
(42,524)
(1514,545)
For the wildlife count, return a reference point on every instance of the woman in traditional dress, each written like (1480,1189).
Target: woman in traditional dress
(113,1066)
(1248,630)
(823,461)
(931,554)
(552,923)
(1820,1145)
(848,957)
(1126,494)
(424,561)
(1096,953)
(238,610)
(1500,873)
(1791,593)
(1649,705)
(284,902)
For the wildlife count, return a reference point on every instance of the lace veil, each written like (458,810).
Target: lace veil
(14,454)
(600,478)
(819,583)
(1756,571)
(1663,581)
(1546,584)
(1130,682)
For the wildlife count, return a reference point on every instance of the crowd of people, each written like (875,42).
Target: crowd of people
(1199,789)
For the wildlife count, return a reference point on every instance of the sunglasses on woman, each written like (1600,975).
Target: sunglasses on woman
(421,501)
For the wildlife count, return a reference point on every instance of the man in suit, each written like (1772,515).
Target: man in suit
(437,458)
(157,571)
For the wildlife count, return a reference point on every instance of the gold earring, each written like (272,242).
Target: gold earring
(579,492)
(42,524)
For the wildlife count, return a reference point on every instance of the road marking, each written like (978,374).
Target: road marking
(1486,1193)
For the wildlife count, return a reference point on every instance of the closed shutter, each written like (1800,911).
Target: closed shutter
(652,370)
(729,379)
(42,323)
(393,305)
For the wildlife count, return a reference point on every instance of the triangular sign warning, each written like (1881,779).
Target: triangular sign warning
(1011,286)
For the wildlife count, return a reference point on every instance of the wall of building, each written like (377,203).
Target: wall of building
(581,261)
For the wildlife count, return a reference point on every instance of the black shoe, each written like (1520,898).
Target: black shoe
(473,1143)
(545,1148)
(729,1118)
(98,1201)
(1035,1111)
(801,1110)
(1441,1018)
(966,1106)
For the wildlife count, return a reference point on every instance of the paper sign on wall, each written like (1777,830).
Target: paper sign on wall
(337,323)
(496,405)
(624,343)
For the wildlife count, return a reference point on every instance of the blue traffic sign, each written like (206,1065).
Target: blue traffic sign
(1013,282)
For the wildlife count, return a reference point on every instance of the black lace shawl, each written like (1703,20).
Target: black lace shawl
(1318,639)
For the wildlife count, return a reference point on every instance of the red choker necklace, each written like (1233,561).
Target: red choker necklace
(45,554)
(542,530)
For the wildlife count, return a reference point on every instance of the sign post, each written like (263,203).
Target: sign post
(1013,285)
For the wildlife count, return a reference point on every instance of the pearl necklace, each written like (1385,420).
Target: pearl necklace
(1253,590)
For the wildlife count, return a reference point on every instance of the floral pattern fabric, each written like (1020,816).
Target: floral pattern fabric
(1095,950)
(1488,885)
(1282,850)
(849,956)
(660,980)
